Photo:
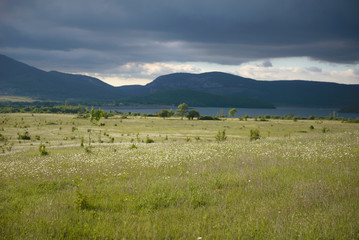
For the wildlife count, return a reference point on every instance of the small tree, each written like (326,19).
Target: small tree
(182,109)
(232,112)
(163,113)
(193,114)
(96,115)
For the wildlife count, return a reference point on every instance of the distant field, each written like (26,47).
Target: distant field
(300,180)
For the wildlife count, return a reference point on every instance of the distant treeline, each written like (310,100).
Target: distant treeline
(296,118)
(46,109)
(84,111)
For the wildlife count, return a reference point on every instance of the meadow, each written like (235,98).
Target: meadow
(154,178)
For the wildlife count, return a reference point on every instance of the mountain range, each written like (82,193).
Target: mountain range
(212,89)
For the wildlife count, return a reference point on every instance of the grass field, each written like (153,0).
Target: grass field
(295,182)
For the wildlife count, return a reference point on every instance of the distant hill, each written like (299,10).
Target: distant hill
(194,98)
(19,79)
(350,109)
(279,93)
(212,89)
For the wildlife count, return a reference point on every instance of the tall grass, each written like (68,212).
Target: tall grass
(305,186)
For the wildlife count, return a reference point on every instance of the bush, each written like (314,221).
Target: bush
(207,118)
(254,134)
(81,200)
(2,137)
(311,117)
(25,136)
(221,136)
(42,150)
(133,146)
(149,140)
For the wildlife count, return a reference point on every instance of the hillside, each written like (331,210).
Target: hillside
(279,93)
(19,79)
(194,98)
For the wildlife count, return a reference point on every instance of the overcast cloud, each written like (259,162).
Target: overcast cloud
(104,37)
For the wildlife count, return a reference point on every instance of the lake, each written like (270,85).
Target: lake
(252,112)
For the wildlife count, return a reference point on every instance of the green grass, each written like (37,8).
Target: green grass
(292,183)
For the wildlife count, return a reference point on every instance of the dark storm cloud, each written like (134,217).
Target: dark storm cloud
(227,31)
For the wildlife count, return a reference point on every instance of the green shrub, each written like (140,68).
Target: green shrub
(133,146)
(221,136)
(311,117)
(42,150)
(81,200)
(207,118)
(149,140)
(25,136)
(254,134)
(2,137)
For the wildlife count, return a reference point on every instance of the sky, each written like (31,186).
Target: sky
(126,42)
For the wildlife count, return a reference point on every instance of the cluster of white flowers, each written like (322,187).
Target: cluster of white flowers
(117,160)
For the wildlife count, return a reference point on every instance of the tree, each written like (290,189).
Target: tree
(171,113)
(182,109)
(96,115)
(232,112)
(163,113)
(192,114)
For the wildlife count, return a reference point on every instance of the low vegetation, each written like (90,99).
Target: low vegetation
(196,180)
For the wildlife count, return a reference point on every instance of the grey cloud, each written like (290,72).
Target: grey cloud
(314,69)
(96,34)
(267,64)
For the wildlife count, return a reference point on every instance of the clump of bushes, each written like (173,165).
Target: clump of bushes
(24,136)
(206,117)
